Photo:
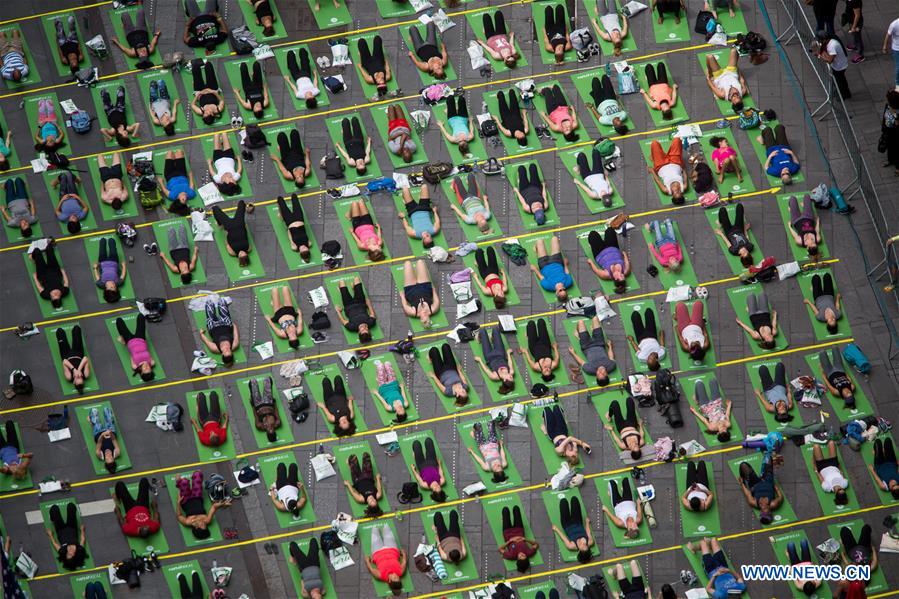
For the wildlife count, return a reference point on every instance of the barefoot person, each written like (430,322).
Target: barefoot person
(114,191)
(429,54)
(727,83)
(599,358)
(286,320)
(419,297)
(613,28)
(551,269)
(421,220)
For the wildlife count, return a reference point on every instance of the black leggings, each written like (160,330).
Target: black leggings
(510,111)
(570,512)
(46,262)
(287,475)
(303,69)
(780,377)
(849,541)
(203,75)
(487,262)
(495,25)
(554,420)
(11,438)
(672,6)
(583,164)
(235,226)
(822,286)
(192,591)
(291,215)
(553,96)
(645,327)
(353,138)
(657,73)
(775,137)
(335,388)
(372,60)
(426,456)
(884,452)
(739,223)
(308,559)
(554,24)
(540,344)
(625,494)
(253,85)
(444,531)
(697,473)
(626,420)
(601,89)
(70,350)
(140,328)
(108,251)
(66,528)
(529,177)
(442,359)
(803,556)
(512,519)
(124,495)
(67,184)
(600,242)
(456,107)
(291,149)
(357,296)
(211,412)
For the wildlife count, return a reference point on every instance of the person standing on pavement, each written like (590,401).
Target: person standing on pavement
(852,16)
(892,39)
(832,51)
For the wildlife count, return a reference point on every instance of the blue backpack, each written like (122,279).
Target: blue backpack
(383,184)
(854,356)
(81,122)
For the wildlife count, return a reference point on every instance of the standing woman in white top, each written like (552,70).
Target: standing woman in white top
(648,341)
(832,51)
(698,496)
(691,331)
(225,167)
(830,476)
(287,493)
(303,79)
(614,29)
(626,513)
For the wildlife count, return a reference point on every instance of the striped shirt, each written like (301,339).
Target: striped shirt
(11,61)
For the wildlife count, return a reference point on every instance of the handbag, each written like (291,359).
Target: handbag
(409,494)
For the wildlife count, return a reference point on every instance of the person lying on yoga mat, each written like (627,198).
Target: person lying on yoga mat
(221,335)
(559,115)
(141,361)
(609,262)
(49,136)
(255,93)
(513,120)
(237,239)
(605,106)
(109,273)
(698,495)
(665,246)
(776,397)
(421,220)
(460,124)
(600,359)
(491,454)
(723,582)
(390,393)
(593,180)
(805,225)
(67,536)
(364,486)
(76,366)
(575,531)
(648,341)
(542,352)
(114,192)
(419,297)
(355,149)
(293,161)
(373,66)
(106,438)
(499,43)
(429,54)
(356,313)
(735,234)
(701,175)
(177,183)
(833,372)
(118,129)
(763,319)
(825,302)
(497,364)
(265,409)
(190,509)
(447,375)
(204,28)
(71,208)
(265,17)
(667,170)
(781,161)
(714,411)
(303,79)
(67,43)
(802,557)
(138,517)
(211,425)
(725,158)
(761,492)
(515,545)
(338,406)
(858,550)
(192,589)
(12,55)
(18,210)
(50,278)
(224,167)
(531,193)
(830,475)
(633,587)
(661,95)
(287,493)
(670,6)
(286,320)
(450,544)
(208,102)
(627,430)
(13,462)
(555,32)
(613,29)
(318,5)
(387,562)
(691,329)
(727,83)
(181,259)
(309,564)
(399,133)
(137,36)
(490,279)
(296,229)
(551,269)
(565,445)
(885,467)
(713,5)
(473,202)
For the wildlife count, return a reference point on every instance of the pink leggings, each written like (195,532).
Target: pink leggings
(385,373)
(684,318)
(46,111)
(189,489)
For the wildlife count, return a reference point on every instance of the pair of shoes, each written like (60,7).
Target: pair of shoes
(151,248)
(236,122)
(271,548)
(594,48)
(858,58)
(583,55)
(319,337)
(542,132)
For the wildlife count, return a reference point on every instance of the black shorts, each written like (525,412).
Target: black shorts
(632,587)
(216,154)
(358,221)
(826,462)
(422,205)
(552,259)
(108,173)
(174,167)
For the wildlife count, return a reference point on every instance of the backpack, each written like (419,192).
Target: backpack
(148,193)
(763,272)
(58,160)
(820,195)
(255,138)
(386,184)
(86,77)
(434,93)
(749,119)
(410,494)
(666,394)
(751,43)
(21,382)
(435,172)
(330,541)
(702,21)
(173,415)
(605,147)
(333,166)
(217,488)
(155,308)
(333,84)
(581,38)
(488,128)
(127,233)
(81,122)
(320,321)
(580,306)
(243,41)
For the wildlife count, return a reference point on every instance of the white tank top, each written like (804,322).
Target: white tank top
(625,510)
(288,493)
(610,22)
(701,492)
(693,333)
(598,184)
(671,173)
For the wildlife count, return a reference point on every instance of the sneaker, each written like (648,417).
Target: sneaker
(851,47)
(154,249)
(858,58)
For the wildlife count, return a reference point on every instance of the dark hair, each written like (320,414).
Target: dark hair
(746,260)
(464,147)
(305,254)
(809,588)
(401,417)
(738,106)
(813,251)
(499,477)
(373,512)
(122,140)
(841,497)
(186,278)
(179,208)
(27,232)
(56,302)
(832,328)
(715,140)
(697,354)
(602,382)
(243,259)
(111,296)
(893,98)
(428,244)
(620,286)
(396,586)
(365,337)
(116,204)
(499,302)
(506,387)
(895,493)
(522,565)
(311,103)
(766,518)
(272,436)
(111,467)
(523,142)
(169,129)
(73,227)
(695,504)
(340,432)
(228,359)
(636,454)
(571,136)
(79,387)
(678,199)
(259,114)
(439,496)
(455,556)
(668,592)
(782,416)
(229,189)
(147,376)
(667,114)
(621,129)
(724,436)
(200,533)
(294,343)
(268,31)
(585,556)
(210,118)
(144,531)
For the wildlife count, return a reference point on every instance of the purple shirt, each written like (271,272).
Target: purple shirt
(609,257)
(109,271)
(69,207)
(430,474)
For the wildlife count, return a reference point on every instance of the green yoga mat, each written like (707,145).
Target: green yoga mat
(80,582)
(332,284)
(160,232)
(512,298)
(668,279)
(381,588)
(570,325)
(603,401)
(583,84)
(112,88)
(293,259)
(736,267)
(779,546)
(510,143)
(299,105)
(250,20)
(122,351)
(569,159)
(471,231)
(33,77)
(878,582)
(737,297)
(171,572)
(232,69)
(612,580)
(730,183)
(31,111)
(264,298)
(628,43)
(335,131)
(545,446)
(370,375)
(49,27)
(341,455)
(268,467)
(784,514)
(159,167)
(123,462)
(695,561)
(246,189)
(683,358)
(533,590)
(426,78)
(129,207)
(370,90)
(697,524)
(221,50)
(390,9)
(415,244)
(608,287)
(602,487)
(476,149)
(14,234)
(626,309)
(47,310)
(465,570)
(116,17)
(669,31)
(328,15)
(314,387)
(493,512)
(552,215)
(240,354)
(551,502)
(493,386)
(88,223)
(530,243)
(539,16)
(646,149)
(284,432)
(7,482)
(449,404)
(90,383)
(868,456)
(678,110)
(688,383)
(723,55)
(561,372)
(438,320)
(379,116)
(826,500)
(406,442)
(804,279)
(770,423)
(732,24)
(327,582)
(311,182)
(799,253)
(13,157)
(862,408)
(755,136)
(513,478)
(215,531)
(92,247)
(188,81)
(237,273)
(225,451)
(63,506)
(540,102)
(155,543)
(476,24)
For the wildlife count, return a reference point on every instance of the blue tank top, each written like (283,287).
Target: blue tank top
(391,393)
(458,125)
(421,222)
(48,129)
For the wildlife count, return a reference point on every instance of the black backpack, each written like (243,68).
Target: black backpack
(666,393)
(409,494)
(330,541)
(243,41)
(21,384)
(435,172)
(255,138)
(155,308)
(320,321)
(489,129)
(702,20)
(333,166)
